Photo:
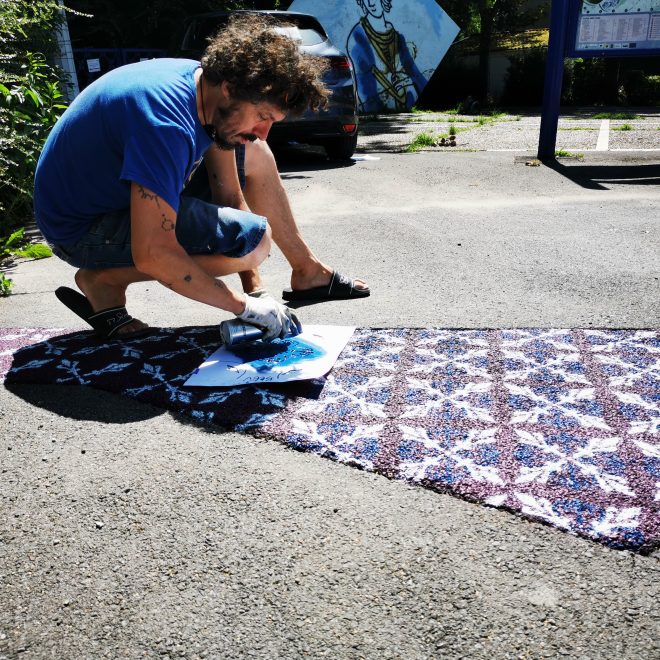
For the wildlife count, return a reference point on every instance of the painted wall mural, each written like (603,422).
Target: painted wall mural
(394,45)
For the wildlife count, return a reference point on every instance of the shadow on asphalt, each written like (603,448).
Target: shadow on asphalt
(293,158)
(299,304)
(603,177)
(84,403)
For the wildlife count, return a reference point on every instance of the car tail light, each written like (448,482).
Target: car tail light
(340,63)
(348,128)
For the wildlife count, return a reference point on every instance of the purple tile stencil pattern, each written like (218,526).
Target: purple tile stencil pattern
(560,426)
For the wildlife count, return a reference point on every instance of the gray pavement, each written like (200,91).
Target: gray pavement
(127,532)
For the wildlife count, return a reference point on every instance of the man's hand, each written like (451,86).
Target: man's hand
(276,319)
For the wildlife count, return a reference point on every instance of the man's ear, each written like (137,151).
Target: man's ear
(225,92)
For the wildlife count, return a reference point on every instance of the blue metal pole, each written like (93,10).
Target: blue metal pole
(554,74)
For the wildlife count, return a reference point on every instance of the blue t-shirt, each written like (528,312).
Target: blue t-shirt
(136,123)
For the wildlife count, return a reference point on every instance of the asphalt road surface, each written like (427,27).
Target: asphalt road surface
(126,532)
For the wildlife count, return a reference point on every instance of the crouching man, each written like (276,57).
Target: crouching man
(109,180)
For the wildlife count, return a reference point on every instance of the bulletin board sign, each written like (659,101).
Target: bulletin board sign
(614,28)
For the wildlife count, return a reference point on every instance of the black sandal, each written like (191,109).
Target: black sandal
(340,287)
(106,323)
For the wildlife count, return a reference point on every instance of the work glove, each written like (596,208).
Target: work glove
(275,319)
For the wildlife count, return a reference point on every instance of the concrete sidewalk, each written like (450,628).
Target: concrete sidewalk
(577,133)
(131,533)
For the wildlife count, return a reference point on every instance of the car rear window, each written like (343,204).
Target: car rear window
(307,36)
(304,29)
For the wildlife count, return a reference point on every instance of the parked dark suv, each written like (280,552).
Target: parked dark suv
(336,127)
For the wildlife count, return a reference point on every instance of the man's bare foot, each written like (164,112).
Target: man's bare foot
(319,275)
(102,295)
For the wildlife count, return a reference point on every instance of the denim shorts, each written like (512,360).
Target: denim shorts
(201,228)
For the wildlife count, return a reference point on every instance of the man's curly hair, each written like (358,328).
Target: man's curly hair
(261,65)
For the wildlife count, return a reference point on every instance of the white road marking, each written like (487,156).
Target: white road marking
(603,136)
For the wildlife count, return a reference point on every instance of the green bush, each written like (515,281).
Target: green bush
(30,104)
(586,81)
(523,83)
(451,83)
(654,89)
(591,81)
(611,81)
(637,88)
(29,107)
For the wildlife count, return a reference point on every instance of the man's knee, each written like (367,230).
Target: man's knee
(261,252)
(259,161)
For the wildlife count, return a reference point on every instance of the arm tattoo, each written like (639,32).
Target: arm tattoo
(167,224)
(188,278)
(145,194)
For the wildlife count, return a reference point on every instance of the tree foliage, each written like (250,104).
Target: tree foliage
(482,20)
(498,16)
(30,102)
(137,24)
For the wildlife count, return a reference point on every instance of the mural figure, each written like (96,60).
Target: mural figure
(384,62)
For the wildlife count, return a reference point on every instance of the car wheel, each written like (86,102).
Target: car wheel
(341,148)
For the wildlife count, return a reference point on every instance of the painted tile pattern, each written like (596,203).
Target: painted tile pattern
(561,426)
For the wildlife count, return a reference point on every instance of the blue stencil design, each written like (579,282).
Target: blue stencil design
(264,357)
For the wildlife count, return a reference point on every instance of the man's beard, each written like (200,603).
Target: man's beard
(221,139)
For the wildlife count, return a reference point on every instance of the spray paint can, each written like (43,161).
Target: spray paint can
(235,332)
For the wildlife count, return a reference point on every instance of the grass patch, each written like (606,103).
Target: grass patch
(420,141)
(491,116)
(623,127)
(562,153)
(5,286)
(617,115)
(428,120)
(482,120)
(16,245)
